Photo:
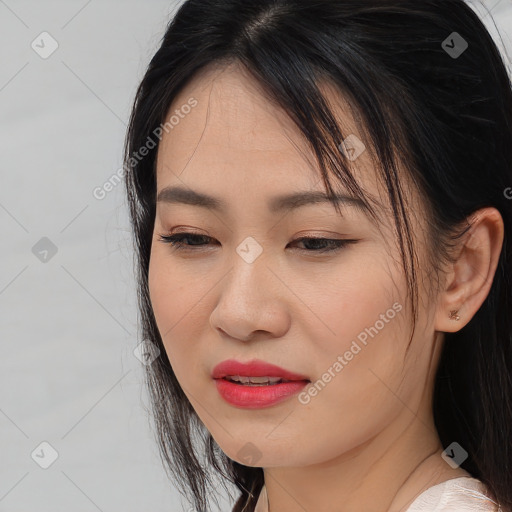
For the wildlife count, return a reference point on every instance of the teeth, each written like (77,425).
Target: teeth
(255,380)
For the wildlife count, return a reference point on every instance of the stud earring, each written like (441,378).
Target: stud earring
(454,315)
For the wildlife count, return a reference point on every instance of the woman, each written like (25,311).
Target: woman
(321,203)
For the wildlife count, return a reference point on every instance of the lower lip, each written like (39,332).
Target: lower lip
(257,397)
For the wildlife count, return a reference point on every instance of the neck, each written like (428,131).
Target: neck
(385,473)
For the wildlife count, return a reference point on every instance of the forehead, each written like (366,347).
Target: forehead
(235,135)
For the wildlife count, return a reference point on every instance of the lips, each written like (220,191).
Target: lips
(237,370)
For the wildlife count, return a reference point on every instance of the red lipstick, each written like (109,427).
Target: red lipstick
(275,384)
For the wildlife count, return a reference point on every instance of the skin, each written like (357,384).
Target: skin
(367,440)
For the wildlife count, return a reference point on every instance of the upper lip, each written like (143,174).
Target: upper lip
(254,368)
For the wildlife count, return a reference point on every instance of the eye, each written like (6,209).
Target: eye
(322,245)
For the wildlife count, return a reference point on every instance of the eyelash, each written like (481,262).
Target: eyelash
(176,241)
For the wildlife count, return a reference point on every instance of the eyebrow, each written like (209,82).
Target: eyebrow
(287,202)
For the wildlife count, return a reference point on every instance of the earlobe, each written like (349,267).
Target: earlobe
(469,278)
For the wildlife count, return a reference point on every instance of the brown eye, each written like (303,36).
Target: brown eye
(320,245)
(177,241)
(328,243)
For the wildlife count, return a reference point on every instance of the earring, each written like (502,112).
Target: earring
(454,315)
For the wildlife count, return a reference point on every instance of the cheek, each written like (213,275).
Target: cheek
(166,294)
(173,291)
(352,302)
(365,316)
(162,289)
(178,303)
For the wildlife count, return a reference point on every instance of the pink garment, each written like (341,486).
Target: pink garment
(463,494)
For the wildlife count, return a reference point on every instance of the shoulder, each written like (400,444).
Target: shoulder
(463,494)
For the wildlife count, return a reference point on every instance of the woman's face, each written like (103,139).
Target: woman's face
(340,318)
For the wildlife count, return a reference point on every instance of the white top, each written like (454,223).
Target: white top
(463,494)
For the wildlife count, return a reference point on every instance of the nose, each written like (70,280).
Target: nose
(251,302)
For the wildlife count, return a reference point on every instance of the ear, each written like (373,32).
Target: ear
(469,278)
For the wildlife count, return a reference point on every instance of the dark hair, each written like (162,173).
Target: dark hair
(447,116)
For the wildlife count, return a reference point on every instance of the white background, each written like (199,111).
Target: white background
(68,327)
